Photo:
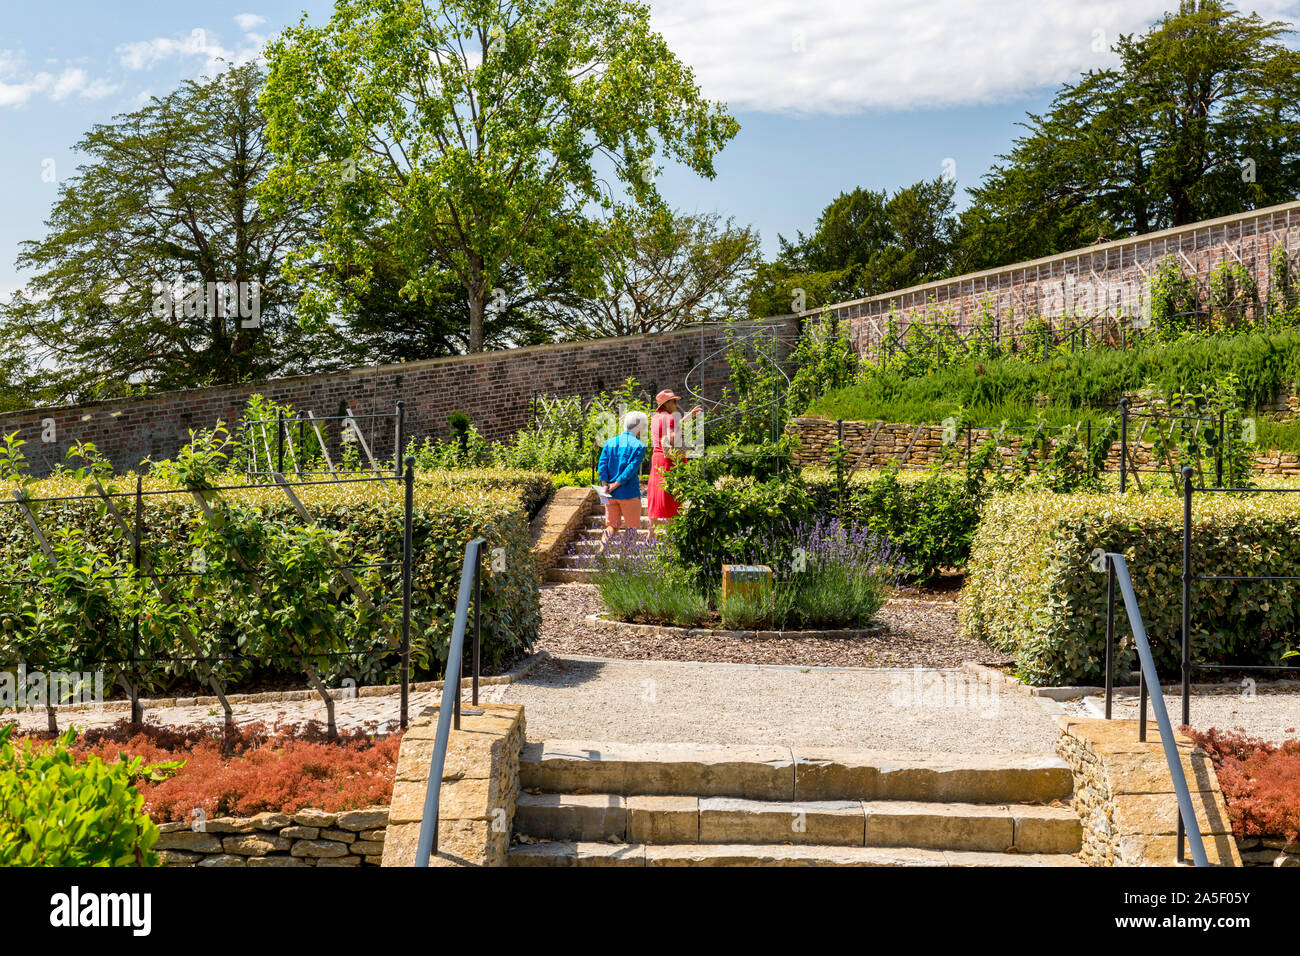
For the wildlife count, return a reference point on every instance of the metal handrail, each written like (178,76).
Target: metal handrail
(1117,570)
(471,580)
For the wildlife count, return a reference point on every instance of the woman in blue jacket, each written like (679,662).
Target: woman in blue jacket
(620,474)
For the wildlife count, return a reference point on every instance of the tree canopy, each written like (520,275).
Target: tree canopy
(1201,118)
(462,139)
(164,205)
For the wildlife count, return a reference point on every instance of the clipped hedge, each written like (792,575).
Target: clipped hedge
(1030,589)
(532,487)
(929,515)
(365,524)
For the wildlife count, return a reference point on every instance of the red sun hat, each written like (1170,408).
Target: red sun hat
(666,396)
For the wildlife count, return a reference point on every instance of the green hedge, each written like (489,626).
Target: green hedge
(1030,590)
(56,810)
(77,614)
(930,515)
(532,487)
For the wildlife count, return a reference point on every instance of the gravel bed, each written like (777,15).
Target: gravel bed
(862,709)
(920,630)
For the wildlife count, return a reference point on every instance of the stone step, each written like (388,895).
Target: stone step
(777,773)
(721,854)
(725,820)
(568,576)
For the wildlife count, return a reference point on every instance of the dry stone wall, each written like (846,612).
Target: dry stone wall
(305,838)
(880,444)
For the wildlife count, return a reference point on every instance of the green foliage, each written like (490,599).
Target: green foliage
(929,516)
(500,154)
(1173,299)
(728,518)
(56,810)
(1176,132)
(1233,293)
(824,358)
(1031,591)
(1081,386)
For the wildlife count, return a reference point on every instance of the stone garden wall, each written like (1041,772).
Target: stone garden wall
(305,838)
(496,389)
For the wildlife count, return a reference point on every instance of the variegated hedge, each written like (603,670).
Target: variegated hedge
(1031,591)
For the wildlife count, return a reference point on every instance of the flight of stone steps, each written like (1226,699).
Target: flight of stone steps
(575,564)
(590,804)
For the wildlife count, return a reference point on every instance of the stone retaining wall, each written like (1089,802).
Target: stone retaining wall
(305,838)
(880,444)
(1124,795)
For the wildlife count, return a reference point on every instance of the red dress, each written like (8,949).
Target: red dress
(660,504)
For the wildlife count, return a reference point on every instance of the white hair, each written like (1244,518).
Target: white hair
(635,422)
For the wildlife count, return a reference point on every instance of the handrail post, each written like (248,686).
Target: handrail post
(1110,634)
(478,618)
(137,712)
(401,429)
(279,441)
(1218,458)
(1123,444)
(1187,595)
(407,562)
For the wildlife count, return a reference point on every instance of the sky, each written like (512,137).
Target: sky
(830,94)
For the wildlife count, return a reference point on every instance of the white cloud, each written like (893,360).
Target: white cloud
(198,44)
(846,56)
(247,21)
(18,84)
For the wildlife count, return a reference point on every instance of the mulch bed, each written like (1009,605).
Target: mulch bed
(920,630)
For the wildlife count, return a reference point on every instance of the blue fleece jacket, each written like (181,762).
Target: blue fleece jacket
(620,460)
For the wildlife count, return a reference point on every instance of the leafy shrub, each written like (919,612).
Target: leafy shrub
(929,516)
(1260,781)
(533,488)
(58,810)
(729,518)
(284,603)
(1030,589)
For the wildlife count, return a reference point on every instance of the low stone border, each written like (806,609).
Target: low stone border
(305,838)
(665,630)
(521,669)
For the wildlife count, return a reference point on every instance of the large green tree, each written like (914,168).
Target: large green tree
(465,138)
(165,199)
(865,242)
(675,270)
(1201,118)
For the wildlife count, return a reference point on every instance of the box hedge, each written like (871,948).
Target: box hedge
(364,522)
(1030,589)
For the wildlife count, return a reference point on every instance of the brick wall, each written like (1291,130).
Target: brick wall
(494,388)
(1106,279)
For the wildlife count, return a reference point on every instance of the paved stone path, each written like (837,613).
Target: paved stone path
(1270,715)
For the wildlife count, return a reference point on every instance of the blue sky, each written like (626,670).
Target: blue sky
(830,94)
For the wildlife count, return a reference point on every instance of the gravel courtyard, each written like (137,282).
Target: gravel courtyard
(644,701)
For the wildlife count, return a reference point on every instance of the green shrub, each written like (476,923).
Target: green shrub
(1030,589)
(930,516)
(56,810)
(533,488)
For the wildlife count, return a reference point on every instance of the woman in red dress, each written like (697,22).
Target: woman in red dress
(666,445)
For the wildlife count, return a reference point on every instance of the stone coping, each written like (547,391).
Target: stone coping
(665,630)
(521,669)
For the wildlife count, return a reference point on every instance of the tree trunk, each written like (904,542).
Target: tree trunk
(476,320)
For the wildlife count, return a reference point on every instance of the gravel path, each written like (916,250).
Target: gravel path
(1272,716)
(647,701)
(920,630)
